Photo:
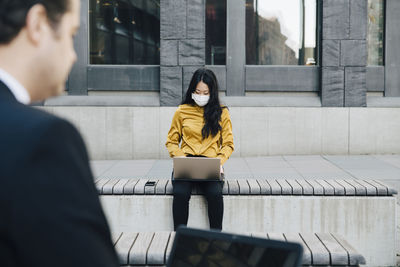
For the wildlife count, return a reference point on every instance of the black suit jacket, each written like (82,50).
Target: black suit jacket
(50,213)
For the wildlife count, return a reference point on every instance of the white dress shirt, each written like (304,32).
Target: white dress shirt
(20,92)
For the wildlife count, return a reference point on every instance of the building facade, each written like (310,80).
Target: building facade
(154,46)
(296,74)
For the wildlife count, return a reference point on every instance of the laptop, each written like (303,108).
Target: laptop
(197,168)
(194,247)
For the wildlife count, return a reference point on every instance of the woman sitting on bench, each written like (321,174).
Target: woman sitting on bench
(205,130)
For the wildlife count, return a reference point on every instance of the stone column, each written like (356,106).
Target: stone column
(392,44)
(182,42)
(344,53)
(77,79)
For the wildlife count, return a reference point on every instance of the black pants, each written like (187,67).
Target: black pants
(213,193)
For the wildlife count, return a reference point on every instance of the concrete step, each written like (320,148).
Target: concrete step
(153,248)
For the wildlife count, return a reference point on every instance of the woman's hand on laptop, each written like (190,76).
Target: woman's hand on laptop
(221,169)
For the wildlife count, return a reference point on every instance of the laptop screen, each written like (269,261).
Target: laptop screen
(194,247)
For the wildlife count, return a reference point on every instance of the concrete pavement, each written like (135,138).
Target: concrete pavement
(382,167)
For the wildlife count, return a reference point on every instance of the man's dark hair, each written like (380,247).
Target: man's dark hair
(13,15)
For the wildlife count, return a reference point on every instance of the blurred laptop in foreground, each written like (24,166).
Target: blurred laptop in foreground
(194,247)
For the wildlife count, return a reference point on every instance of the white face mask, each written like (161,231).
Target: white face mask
(200,100)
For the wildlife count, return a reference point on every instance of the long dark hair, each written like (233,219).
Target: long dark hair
(213,109)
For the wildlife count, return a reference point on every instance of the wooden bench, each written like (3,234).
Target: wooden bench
(331,187)
(153,248)
(362,211)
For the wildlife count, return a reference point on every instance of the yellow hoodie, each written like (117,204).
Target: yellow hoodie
(186,126)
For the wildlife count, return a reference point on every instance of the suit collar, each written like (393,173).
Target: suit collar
(16,88)
(6,94)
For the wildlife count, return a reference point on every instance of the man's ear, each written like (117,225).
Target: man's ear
(36,23)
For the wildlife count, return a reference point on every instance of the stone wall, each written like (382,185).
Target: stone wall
(140,132)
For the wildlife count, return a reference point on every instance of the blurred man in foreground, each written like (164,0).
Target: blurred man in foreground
(50,211)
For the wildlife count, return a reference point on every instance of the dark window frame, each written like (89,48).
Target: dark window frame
(242,78)
(84,77)
(376,73)
(391,51)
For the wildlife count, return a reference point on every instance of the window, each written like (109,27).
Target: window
(215,32)
(125,32)
(281,32)
(375,32)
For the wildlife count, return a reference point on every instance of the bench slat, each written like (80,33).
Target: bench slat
(297,189)
(355,258)
(115,237)
(254,187)
(276,189)
(328,189)
(225,188)
(130,186)
(276,236)
(319,254)
(160,187)
(391,191)
(265,188)
(318,190)
(169,247)
(108,187)
(349,190)
(307,188)
(233,187)
(123,246)
(169,188)
(338,189)
(139,187)
(150,189)
(100,184)
(381,189)
(244,188)
(139,249)
(291,237)
(336,251)
(286,188)
(119,187)
(156,253)
(371,190)
(360,190)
